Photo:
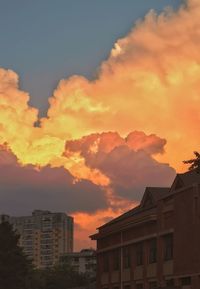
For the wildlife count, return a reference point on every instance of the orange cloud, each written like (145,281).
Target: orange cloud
(150,82)
(87,223)
(128,162)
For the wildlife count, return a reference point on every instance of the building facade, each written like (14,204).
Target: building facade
(44,236)
(155,245)
(83,262)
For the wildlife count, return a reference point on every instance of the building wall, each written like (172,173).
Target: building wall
(176,217)
(84,262)
(188,234)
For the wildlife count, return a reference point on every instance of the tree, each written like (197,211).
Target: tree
(15,268)
(194,163)
(63,277)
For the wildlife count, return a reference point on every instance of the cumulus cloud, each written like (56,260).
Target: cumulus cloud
(128,162)
(150,82)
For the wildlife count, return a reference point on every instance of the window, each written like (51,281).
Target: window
(139,286)
(126,257)
(105,263)
(127,287)
(153,285)
(170,282)
(168,247)
(152,251)
(186,281)
(116,259)
(196,205)
(88,266)
(139,254)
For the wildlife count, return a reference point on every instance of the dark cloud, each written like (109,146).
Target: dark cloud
(130,172)
(23,189)
(128,162)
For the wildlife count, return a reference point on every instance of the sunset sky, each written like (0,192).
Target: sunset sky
(98,99)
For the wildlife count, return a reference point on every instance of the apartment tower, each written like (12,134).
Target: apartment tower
(44,236)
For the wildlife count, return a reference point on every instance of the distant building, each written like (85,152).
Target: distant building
(4,218)
(82,262)
(155,245)
(44,236)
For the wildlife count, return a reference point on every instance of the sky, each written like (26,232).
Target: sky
(98,99)
(44,41)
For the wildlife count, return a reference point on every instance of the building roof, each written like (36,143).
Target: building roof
(150,197)
(82,253)
(190,177)
(186,179)
(153,194)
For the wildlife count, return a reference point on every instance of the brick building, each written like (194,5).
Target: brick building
(155,245)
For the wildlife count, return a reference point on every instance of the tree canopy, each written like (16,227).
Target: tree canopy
(15,268)
(194,163)
(17,272)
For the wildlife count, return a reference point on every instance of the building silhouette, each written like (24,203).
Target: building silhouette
(83,262)
(44,236)
(156,244)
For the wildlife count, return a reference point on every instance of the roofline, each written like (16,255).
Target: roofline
(145,219)
(109,223)
(138,206)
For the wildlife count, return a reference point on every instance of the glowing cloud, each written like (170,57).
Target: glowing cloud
(150,82)
(127,162)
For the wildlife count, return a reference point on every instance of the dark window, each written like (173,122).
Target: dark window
(126,257)
(153,285)
(116,259)
(139,286)
(127,287)
(170,282)
(185,281)
(106,263)
(88,266)
(196,205)
(168,247)
(152,251)
(139,254)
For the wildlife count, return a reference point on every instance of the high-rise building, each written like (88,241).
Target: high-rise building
(44,236)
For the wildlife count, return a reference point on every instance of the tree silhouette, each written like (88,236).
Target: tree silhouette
(17,272)
(194,163)
(15,268)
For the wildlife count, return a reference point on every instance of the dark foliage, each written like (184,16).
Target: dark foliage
(194,163)
(15,268)
(16,271)
(62,277)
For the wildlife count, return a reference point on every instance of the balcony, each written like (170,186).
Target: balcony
(138,273)
(168,268)
(152,270)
